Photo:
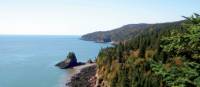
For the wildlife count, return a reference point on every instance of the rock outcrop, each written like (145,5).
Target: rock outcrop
(90,61)
(69,62)
(85,78)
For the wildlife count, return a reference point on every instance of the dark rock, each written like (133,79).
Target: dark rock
(86,78)
(69,62)
(89,61)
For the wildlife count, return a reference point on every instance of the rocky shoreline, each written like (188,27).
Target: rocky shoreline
(84,76)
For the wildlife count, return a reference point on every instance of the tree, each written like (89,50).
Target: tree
(185,44)
(182,69)
(71,55)
(142,51)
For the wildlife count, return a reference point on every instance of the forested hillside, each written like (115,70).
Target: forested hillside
(160,56)
(128,31)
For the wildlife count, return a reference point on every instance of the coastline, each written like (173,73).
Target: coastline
(83,76)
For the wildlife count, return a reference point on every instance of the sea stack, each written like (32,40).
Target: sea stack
(69,62)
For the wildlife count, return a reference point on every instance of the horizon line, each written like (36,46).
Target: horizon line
(38,35)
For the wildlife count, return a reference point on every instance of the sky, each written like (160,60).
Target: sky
(78,17)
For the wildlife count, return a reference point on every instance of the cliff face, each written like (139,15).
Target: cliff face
(99,81)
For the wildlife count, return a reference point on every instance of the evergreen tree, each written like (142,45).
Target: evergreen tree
(142,51)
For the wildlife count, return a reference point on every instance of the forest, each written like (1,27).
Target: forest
(168,56)
(129,31)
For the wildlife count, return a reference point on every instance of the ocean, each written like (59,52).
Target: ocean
(28,60)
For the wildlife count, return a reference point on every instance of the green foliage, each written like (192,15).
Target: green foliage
(71,55)
(182,76)
(176,62)
(131,31)
(187,43)
(142,51)
(184,60)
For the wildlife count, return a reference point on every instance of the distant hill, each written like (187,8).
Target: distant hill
(127,32)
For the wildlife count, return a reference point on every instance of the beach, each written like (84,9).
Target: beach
(84,76)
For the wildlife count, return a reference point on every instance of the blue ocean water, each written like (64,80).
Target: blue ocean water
(28,61)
